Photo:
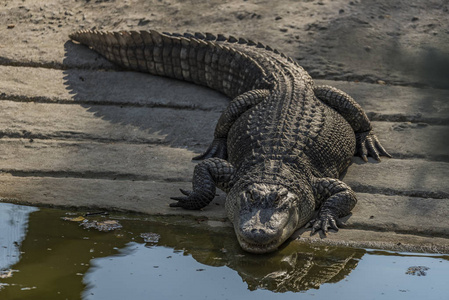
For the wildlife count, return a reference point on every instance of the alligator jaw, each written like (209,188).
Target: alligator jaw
(258,248)
(265,241)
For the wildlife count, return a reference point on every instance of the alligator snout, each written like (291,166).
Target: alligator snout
(261,231)
(258,235)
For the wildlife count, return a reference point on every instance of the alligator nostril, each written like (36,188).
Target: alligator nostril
(257,231)
(258,235)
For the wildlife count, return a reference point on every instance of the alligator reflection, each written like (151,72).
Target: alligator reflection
(296,267)
(298,271)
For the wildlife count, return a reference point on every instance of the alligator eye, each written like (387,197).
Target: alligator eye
(249,197)
(279,197)
(281,194)
(255,195)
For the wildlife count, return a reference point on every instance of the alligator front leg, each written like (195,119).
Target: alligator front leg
(366,141)
(235,109)
(210,173)
(335,200)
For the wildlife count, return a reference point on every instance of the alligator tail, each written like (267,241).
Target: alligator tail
(208,60)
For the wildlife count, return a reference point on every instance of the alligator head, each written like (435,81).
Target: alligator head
(266,216)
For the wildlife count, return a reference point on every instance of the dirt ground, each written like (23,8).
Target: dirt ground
(399,42)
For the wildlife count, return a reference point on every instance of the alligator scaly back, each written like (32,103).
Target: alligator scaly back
(204,59)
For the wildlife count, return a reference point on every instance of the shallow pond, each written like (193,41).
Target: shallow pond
(55,254)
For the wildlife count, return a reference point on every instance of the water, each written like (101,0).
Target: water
(45,257)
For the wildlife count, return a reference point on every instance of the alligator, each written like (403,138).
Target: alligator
(279,147)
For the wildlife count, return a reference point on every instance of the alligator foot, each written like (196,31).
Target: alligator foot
(207,174)
(190,201)
(323,222)
(368,144)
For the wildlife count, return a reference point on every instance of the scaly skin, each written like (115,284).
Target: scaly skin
(278,148)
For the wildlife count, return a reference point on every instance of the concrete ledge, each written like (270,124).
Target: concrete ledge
(382,216)
(400,214)
(398,103)
(180,128)
(117,151)
(95,86)
(376,240)
(373,212)
(148,197)
(103,87)
(393,176)
(108,123)
(111,160)
(412,177)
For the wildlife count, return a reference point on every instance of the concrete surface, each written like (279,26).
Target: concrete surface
(76,131)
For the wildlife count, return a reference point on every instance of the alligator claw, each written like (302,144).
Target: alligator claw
(185,192)
(368,144)
(323,222)
(192,200)
(216,149)
(181,200)
(176,204)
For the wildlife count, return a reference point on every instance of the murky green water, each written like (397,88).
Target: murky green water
(45,257)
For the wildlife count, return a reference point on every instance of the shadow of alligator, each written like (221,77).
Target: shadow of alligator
(170,111)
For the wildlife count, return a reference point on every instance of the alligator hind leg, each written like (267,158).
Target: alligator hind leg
(210,173)
(336,200)
(345,105)
(235,109)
